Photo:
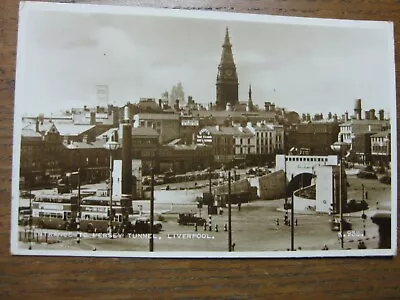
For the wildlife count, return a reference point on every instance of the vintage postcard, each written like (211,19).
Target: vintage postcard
(143,132)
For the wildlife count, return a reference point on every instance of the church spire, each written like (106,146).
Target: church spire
(227,79)
(249,106)
(227,56)
(250,92)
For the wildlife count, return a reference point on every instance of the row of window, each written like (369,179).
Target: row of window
(380,149)
(315,159)
(380,139)
(53,215)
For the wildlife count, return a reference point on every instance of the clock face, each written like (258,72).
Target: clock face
(228,73)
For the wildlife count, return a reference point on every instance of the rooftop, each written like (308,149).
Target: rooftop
(385,133)
(155,116)
(228,130)
(81,145)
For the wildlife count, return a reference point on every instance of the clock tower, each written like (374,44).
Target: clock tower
(227,80)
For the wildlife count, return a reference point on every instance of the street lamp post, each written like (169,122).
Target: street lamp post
(292,221)
(229,213)
(340,147)
(209,179)
(363,216)
(30,213)
(151,242)
(111,146)
(78,209)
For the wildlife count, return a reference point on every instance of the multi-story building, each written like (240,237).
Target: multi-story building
(380,148)
(222,140)
(41,155)
(180,158)
(244,145)
(91,158)
(268,139)
(167,125)
(357,132)
(189,127)
(235,143)
(316,136)
(145,146)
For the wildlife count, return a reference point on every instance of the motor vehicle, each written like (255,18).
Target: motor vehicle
(26,195)
(190,219)
(142,225)
(24,216)
(335,224)
(386,179)
(146,180)
(367,173)
(356,205)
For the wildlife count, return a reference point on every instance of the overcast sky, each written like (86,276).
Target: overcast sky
(303,68)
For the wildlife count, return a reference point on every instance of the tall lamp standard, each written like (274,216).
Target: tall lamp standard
(30,212)
(111,146)
(151,241)
(339,148)
(230,248)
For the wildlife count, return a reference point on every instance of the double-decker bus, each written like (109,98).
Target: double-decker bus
(61,211)
(54,211)
(96,210)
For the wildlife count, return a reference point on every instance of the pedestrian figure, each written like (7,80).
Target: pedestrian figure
(221,211)
(325,247)
(205,226)
(210,228)
(195,227)
(225,227)
(233,246)
(239,205)
(295,222)
(216,227)
(277,222)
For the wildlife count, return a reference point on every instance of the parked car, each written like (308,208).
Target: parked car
(386,179)
(367,173)
(356,205)
(190,219)
(26,195)
(142,225)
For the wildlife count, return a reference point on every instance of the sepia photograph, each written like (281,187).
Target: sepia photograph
(144,132)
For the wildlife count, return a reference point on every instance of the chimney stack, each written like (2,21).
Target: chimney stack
(177,105)
(160,103)
(346,116)
(357,109)
(335,118)
(115,116)
(330,115)
(372,114)
(272,107)
(92,118)
(126,132)
(37,124)
(381,115)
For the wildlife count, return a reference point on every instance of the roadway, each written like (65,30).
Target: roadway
(254,228)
